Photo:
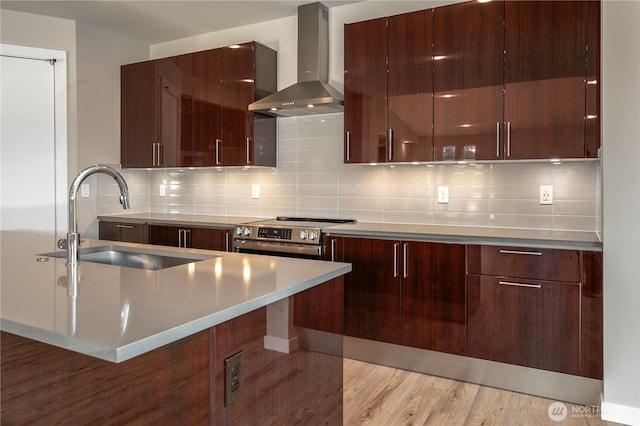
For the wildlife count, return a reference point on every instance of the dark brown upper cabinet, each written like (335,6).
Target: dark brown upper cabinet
(514,80)
(388,89)
(209,123)
(226,81)
(468,81)
(156,110)
(365,91)
(544,113)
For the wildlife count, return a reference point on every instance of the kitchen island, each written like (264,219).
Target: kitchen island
(119,345)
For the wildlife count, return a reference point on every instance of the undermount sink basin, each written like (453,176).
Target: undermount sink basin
(131,257)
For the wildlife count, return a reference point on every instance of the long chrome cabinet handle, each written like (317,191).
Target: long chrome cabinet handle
(248,150)
(512,284)
(218,142)
(390,144)
(124,226)
(160,154)
(529,253)
(348,136)
(227,241)
(405,261)
(333,250)
(187,238)
(183,238)
(154,154)
(395,260)
(498,139)
(508,139)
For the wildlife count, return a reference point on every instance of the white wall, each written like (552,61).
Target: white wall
(621,215)
(100,55)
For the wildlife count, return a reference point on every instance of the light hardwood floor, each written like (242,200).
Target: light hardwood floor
(379,395)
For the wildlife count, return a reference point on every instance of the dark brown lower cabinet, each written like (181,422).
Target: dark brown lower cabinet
(405,292)
(433,297)
(529,323)
(591,332)
(190,237)
(371,293)
(126,232)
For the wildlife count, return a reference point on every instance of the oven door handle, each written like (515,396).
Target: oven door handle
(270,247)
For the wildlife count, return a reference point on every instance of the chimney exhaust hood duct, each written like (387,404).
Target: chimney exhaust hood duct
(312,93)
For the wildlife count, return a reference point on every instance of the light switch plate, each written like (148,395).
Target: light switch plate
(85,190)
(443,194)
(546,194)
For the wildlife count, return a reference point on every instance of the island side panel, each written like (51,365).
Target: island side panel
(301,387)
(43,384)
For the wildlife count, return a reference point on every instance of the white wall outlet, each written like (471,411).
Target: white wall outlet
(443,194)
(163,190)
(255,191)
(546,194)
(85,190)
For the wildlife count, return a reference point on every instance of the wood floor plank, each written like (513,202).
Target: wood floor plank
(379,395)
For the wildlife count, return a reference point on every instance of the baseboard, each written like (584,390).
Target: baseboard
(547,384)
(620,413)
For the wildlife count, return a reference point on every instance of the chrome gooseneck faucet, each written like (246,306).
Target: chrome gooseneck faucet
(73,237)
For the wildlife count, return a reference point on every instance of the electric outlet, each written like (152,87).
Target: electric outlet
(255,191)
(85,190)
(443,194)
(233,378)
(546,194)
(163,190)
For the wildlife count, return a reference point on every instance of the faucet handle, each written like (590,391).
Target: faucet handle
(63,243)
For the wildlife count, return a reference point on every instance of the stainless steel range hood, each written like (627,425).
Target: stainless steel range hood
(312,94)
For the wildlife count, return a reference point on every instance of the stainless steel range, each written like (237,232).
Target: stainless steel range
(284,236)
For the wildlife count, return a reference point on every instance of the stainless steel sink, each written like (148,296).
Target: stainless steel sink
(132,257)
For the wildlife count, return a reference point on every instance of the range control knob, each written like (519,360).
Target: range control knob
(313,235)
(239,230)
(303,235)
(247,231)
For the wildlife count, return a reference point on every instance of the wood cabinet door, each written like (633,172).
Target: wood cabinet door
(210,239)
(175,76)
(365,91)
(592,113)
(164,235)
(410,87)
(372,289)
(139,115)
(126,232)
(529,323)
(545,79)
(433,296)
(468,81)
(238,77)
(591,331)
(207,108)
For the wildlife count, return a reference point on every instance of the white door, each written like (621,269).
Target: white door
(28,144)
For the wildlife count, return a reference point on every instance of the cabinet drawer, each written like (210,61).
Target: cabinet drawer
(126,232)
(530,263)
(530,323)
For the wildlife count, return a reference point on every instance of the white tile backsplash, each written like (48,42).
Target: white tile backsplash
(312,180)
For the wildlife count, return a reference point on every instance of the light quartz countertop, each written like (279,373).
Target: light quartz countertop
(180,219)
(116,313)
(539,238)
(461,234)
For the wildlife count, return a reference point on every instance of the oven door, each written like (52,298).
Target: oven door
(304,251)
